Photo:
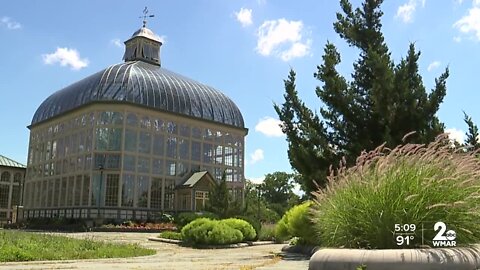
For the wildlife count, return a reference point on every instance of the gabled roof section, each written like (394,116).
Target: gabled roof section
(4,161)
(195,178)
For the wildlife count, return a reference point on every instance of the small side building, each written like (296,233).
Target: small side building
(12,174)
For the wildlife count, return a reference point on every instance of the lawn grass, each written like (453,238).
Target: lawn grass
(26,246)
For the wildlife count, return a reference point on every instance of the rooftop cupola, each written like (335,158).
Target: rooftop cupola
(144,45)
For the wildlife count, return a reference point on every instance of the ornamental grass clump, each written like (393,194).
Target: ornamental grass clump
(411,184)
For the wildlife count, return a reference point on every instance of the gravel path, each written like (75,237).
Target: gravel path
(171,256)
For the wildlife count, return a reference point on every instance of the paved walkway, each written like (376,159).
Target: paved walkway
(171,256)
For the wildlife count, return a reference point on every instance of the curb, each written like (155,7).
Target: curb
(462,258)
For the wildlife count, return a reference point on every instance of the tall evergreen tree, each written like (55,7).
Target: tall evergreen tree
(383,101)
(471,142)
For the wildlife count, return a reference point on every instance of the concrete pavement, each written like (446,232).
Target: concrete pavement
(171,256)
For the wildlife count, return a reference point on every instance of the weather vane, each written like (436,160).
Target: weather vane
(145,16)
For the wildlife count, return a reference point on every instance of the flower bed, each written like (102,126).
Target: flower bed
(136,227)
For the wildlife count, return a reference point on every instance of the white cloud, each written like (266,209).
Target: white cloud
(457,39)
(298,49)
(261,2)
(470,23)
(256,180)
(283,39)
(10,24)
(244,16)
(433,65)
(116,42)
(269,126)
(405,12)
(65,57)
(256,156)
(456,134)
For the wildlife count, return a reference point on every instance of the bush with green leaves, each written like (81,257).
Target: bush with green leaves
(243,226)
(204,231)
(296,223)
(256,224)
(411,184)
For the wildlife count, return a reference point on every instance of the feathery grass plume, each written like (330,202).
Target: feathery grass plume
(409,184)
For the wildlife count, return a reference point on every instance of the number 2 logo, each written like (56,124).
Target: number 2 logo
(441,228)
(441,236)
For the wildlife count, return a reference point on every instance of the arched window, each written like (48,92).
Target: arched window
(5,177)
(17,178)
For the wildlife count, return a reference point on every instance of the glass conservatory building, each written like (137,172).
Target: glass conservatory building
(131,141)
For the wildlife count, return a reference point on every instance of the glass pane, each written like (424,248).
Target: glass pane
(170,167)
(196,150)
(85,190)
(110,118)
(158,144)
(142,191)
(158,125)
(70,189)
(4,190)
(129,163)
(145,122)
(127,190)
(172,147)
(171,127)
(111,190)
(77,191)
(196,133)
(169,194)
(218,154)
(143,165)
(156,199)
(207,153)
(130,140)
(157,166)
(183,149)
(108,139)
(56,192)
(132,119)
(182,169)
(185,130)
(144,142)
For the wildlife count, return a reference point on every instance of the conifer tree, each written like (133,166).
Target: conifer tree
(383,101)
(471,142)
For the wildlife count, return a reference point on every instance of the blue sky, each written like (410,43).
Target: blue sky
(243,48)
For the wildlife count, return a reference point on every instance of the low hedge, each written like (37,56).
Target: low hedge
(205,231)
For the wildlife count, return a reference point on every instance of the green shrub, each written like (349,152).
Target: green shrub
(223,234)
(411,184)
(267,233)
(210,232)
(296,223)
(281,230)
(164,217)
(256,224)
(247,230)
(171,235)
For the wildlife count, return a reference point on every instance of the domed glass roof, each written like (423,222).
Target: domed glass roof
(141,83)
